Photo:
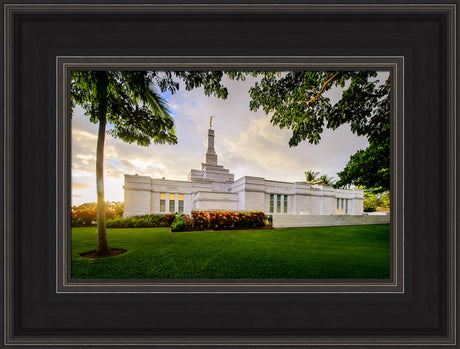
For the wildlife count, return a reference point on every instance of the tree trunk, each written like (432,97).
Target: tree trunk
(102,244)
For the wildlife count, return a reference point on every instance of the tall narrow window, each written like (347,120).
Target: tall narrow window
(181,203)
(285,208)
(341,211)
(278,203)
(272,203)
(338,206)
(346,206)
(172,203)
(162,202)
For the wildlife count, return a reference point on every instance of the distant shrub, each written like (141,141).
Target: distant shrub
(253,219)
(223,220)
(372,202)
(128,222)
(258,218)
(228,219)
(200,219)
(155,219)
(78,222)
(109,213)
(244,219)
(167,219)
(141,221)
(88,216)
(148,218)
(136,222)
(117,206)
(116,222)
(181,223)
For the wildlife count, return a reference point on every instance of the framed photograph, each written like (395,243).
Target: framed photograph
(223,220)
(310,199)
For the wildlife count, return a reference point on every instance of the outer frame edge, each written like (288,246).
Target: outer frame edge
(9,338)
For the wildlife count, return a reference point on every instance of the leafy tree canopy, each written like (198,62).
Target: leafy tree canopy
(135,111)
(297,102)
(372,201)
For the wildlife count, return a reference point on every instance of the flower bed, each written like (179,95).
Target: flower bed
(219,220)
(87,217)
(198,220)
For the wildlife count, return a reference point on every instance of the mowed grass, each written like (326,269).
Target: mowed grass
(356,252)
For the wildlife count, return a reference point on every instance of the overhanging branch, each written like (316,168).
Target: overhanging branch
(322,88)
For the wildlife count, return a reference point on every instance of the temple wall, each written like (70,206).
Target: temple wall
(218,201)
(137,195)
(142,195)
(292,221)
(213,188)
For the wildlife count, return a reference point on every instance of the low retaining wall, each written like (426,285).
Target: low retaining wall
(288,221)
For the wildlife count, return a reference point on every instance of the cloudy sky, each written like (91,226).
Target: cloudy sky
(245,142)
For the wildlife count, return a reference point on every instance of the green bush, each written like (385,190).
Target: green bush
(181,223)
(142,221)
(155,219)
(167,219)
(78,222)
(136,222)
(117,222)
(372,201)
(200,220)
(385,200)
(128,222)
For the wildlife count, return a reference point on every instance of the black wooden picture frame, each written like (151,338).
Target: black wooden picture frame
(43,41)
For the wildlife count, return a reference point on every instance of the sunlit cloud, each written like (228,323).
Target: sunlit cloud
(80,186)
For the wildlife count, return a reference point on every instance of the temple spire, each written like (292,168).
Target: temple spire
(211,157)
(210,170)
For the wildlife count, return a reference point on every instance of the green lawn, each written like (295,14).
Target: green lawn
(294,253)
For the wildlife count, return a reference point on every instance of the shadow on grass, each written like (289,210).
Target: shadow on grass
(112,252)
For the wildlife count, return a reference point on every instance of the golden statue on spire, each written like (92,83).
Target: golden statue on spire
(210,120)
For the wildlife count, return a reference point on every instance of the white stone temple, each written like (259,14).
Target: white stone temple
(213,188)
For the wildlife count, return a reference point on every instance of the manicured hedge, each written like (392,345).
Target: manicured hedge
(219,220)
(199,220)
(143,221)
(86,217)
(182,222)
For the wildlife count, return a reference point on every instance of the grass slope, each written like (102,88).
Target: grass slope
(304,253)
